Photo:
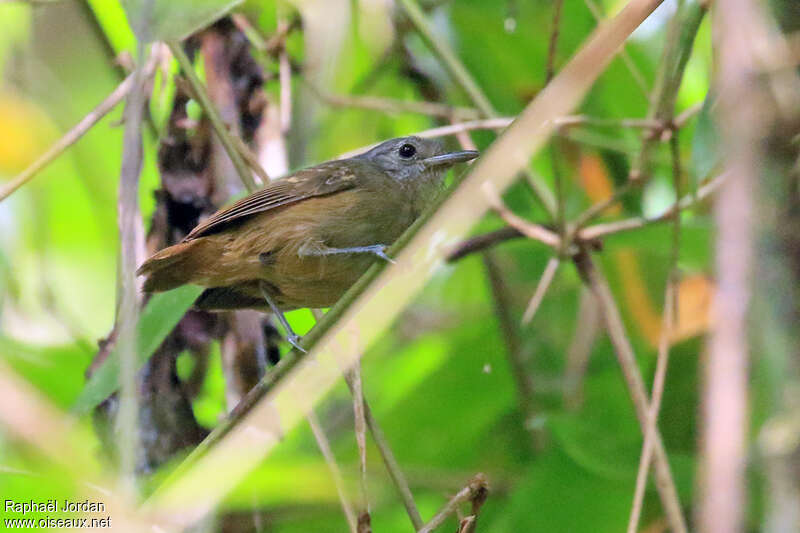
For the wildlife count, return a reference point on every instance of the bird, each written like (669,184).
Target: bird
(304,239)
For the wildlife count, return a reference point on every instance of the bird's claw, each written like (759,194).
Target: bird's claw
(294,339)
(380,251)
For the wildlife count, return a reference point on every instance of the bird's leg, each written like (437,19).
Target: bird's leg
(376,249)
(291,336)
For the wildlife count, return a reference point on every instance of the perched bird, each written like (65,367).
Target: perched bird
(303,240)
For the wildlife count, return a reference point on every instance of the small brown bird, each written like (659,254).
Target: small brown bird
(303,240)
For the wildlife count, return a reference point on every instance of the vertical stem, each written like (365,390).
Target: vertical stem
(131,240)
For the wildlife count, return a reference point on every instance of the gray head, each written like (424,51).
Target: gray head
(407,158)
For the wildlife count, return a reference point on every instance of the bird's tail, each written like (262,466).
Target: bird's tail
(174,266)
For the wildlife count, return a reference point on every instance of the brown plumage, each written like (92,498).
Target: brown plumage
(296,233)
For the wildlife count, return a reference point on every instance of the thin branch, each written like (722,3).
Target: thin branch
(597,209)
(598,231)
(360,423)
(655,406)
(476,492)
(77,131)
(482,242)
(336,474)
(541,289)
(225,137)
(553,44)
(529,229)
(670,314)
(584,120)
(395,473)
(677,48)
(394,106)
(633,380)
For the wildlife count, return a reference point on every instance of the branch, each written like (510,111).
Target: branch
(598,231)
(678,47)
(633,379)
(336,474)
(476,491)
(395,473)
(389,105)
(541,289)
(72,136)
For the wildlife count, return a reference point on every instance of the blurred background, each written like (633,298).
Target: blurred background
(460,384)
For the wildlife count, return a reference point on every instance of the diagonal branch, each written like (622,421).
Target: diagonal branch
(72,136)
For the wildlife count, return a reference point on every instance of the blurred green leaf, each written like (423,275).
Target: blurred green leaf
(705,144)
(173,20)
(162,313)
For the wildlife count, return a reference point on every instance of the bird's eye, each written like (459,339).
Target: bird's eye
(407,150)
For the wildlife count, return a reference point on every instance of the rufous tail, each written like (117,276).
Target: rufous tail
(173,266)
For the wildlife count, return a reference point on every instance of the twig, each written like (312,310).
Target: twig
(360,423)
(583,120)
(670,314)
(529,229)
(597,209)
(633,380)
(597,231)
(678,47)
(510,336)
(448,58)
(395,473)
(655,406)
(481,242)
(541,289)
(210,110)
(476,492)
(69,138)
(389,105)
(553,44)
(270,46)
(336,474)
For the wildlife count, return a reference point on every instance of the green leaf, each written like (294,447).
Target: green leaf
(173,20)
(705,143)
(158,318)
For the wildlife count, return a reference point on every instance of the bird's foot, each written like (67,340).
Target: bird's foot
(294,339)
(380,251)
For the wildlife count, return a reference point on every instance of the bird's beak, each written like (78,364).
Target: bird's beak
(450,159)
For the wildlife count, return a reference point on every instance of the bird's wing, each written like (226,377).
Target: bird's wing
(321,180)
